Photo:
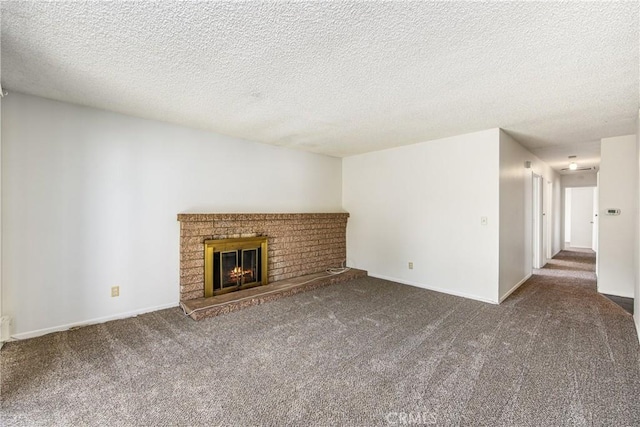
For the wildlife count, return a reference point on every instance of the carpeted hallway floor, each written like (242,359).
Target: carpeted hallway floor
(367,352)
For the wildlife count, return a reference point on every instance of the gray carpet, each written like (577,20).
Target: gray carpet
(367,352)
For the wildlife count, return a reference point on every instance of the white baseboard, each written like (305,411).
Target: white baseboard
(636,320)
(134,313)
(517,285)
(433,288)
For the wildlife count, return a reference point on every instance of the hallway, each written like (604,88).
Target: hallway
(567,283)
(592,337)
(575,268)
(570,267)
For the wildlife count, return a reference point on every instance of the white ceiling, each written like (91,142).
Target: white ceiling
(340,78)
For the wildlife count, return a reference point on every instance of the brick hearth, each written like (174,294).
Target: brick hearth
(298,244)
(201,308)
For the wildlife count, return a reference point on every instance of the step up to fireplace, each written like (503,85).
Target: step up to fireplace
(201,308)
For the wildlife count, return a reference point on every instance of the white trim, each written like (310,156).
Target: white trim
(134,313)
(433,288)
(517,285)
(637,327)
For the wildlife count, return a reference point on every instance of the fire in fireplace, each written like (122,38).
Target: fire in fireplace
(234,264)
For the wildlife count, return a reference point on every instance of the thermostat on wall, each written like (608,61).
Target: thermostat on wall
(613,211)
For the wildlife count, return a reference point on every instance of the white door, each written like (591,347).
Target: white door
(582,217)
(548,223)
(538,252)
(594,220)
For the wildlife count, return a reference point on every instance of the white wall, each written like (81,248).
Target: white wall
(618,189)
(423,203)
(89,200)
(581,217)
(3,327)
(580,179)
(636,301)
(516,220)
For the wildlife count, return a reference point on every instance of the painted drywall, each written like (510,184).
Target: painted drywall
(4,327)
(636,300)
(423,203)
(90,200)
(516,192)
(618,189)
(582,200)
(580,179)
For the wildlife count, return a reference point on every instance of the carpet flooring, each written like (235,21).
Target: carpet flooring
(367,352)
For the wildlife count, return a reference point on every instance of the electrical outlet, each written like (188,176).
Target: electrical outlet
(410,265)
(483,220)
(115,291)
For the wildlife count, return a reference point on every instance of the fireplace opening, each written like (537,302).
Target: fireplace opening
(236,268)
(234,264)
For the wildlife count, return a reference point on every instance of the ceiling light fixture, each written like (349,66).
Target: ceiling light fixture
(573,165)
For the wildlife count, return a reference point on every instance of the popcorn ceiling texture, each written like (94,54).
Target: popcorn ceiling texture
(337,78)
(298,244)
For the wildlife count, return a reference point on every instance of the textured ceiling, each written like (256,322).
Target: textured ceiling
(339,78)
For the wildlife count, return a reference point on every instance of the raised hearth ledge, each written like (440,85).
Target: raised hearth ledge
(201,308)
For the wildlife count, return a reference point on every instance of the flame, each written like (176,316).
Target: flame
(238,273)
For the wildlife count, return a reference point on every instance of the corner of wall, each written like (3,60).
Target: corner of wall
(517,166)
(618,189)
(636,293)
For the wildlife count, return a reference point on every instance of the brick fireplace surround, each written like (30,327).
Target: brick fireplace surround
(298,244)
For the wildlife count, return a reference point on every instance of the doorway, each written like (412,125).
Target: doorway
(538,222)
(580,218)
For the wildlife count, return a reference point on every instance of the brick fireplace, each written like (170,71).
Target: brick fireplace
(298,244)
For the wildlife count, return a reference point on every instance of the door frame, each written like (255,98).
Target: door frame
(537,216)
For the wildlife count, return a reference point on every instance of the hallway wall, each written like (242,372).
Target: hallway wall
(618,189)
(516,192)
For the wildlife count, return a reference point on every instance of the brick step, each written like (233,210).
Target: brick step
(201,308)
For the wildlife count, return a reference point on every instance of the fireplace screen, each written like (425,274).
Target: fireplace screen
(233,264)
(236,268)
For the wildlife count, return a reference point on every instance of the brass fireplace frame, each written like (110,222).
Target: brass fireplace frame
(223,245)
